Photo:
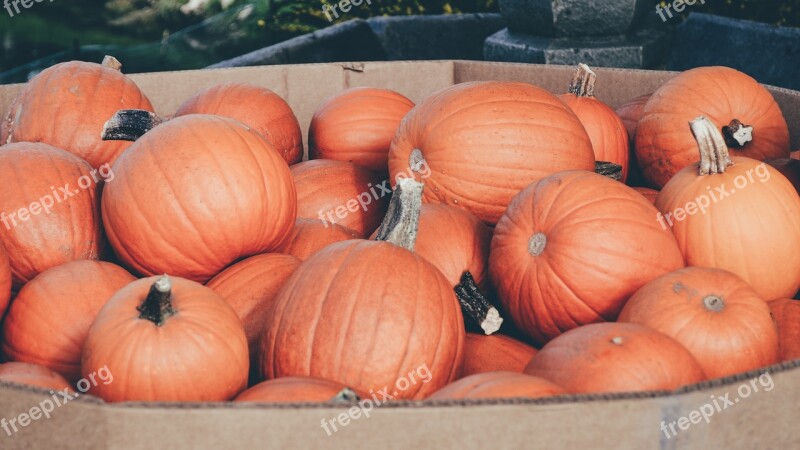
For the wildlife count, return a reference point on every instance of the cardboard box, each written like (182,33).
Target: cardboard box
(766,418)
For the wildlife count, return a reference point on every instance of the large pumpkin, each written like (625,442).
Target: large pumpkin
(5,279)
(73,293)
(257,107)
(498,385)
(33,375)
(194,195)
(630,113)
(357,125)
(719,318)
(788,167)
(476,145)
(67,105)
(312,235)
(338,192)
(733,101)
(615,357)
(572,248)
(494,353)
(605,128)
(735,213)
(293,390)
(786,313)
(48,209)
(167,339)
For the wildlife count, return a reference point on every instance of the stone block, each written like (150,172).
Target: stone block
(571,17)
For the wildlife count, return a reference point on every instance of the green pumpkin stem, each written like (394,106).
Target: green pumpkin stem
(129,125)
(714,155)
(157,307)
(401,222)
(583,81)
(608,169)
(475,306)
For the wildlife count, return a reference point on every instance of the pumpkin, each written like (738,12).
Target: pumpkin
(195,194)
(631,112)
(5,280)
(293,390)
(250,287)
(615,357)
(367,314)
(311,235)
(494,353)
(166,334)
(476,145)
(33,375)
(732,101)
(786,313)
(48,209)
(719,318)
(788,167)
(257,107)
(342,193)
(647,193)
(357,126)
(606,130)
(498,385)
(66,106)
(572,248)
(735,213)
(73,293)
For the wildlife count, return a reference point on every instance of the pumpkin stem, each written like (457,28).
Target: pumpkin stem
(401,222)
(582,83)
(537,243)
(112,63)
(714,155)
(617,340)
(346,396)
(475,306)
(713,303)
(608,169)
(737,134)
(129,125)
(157,307)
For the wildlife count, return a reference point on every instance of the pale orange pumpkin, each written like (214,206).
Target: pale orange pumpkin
(498,385)
(786,313)
(311,235)
(33,375)
(294,390)
(5,279)
(494,353)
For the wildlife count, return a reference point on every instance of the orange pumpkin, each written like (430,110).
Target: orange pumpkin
(719,318)
(33,375)
(786,313)
(155,325)
(605,128)
(631,112)
(311,235)
(342,193)
(67,105)
(357,125)
(736,214)
(476,145)
(257,107)
(48,209)
(293,390)
(572,248)
(5,280)
(74,293)
(494,353)
(194,195)
(615,357)
(498,385)
(647,193)
(731,100)
(788,167)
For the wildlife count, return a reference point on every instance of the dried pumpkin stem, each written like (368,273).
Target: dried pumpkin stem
(401,222)
(583,81)
(475,306)
(714,155)
(713,303)
(112,63)
(129,125)
(157,307)
(737,134)
(346,396)
(608,169)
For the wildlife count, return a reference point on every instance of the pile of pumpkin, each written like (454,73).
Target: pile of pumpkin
(264,278)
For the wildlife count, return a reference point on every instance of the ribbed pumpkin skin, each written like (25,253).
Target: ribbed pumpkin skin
(615,357)
(258,108)
(292,389)
(739,337)
(5,280)
(647,193)
(494,353)
(631,112)
(67,105)
(498,385)
(365,314)
(48,322)
(311,235)
(250,287)
(30,172)
(485,141)
(357,126)
(786,313)
(194,195)
(198,354)
(325,185)
(33,375)
(665,145)
(602,244)
(744,232)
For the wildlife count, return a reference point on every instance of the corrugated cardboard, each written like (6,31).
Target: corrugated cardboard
(625,421)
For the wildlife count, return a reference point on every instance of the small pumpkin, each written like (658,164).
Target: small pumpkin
(48,208)
(572,248)
(5,280)
(295,389)
(732,101)
(647,193)
(475,145)
(494,353)
(719,318)
(33,375)
(786,313)
(155,325)
(615,357)
(311,235)
(66,106)
(73,293)
(257,107)
(788,167)
(498,385)
(357,126)
(735,213)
